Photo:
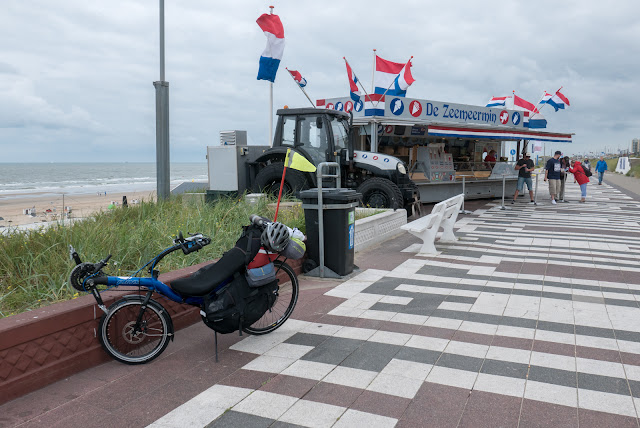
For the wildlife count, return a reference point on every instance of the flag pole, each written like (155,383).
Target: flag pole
(284,172)
(270,137)
(373,73)
(301,88)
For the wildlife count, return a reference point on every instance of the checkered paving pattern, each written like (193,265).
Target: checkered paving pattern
(531,319)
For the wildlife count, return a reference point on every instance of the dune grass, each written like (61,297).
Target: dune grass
(35,264)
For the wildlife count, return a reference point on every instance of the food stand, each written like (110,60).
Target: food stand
(443,143)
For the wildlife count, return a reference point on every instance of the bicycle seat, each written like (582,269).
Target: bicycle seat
(206,279)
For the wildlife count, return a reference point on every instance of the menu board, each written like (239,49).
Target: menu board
(435,163)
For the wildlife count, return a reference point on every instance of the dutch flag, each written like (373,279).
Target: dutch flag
(374,105)
(385,76)
(272,54)
(298,78)
(497,101)
(403,80)
(533,120)
(557,100)
(547,98)
(561,100)
(353,82)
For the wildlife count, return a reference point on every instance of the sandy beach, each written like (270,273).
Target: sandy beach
(51,207)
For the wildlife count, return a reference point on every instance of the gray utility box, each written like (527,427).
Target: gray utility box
(233,138)
(230,167)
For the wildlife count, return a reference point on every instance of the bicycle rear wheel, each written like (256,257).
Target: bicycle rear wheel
(120,338)
(286,299)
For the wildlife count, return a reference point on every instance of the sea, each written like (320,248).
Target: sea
(24,179)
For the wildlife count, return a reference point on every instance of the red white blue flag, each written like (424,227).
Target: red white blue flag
(533,120)
(298,78)
(374,105)
(353,83)
(385,75)
(272,54)
(522,104)
(403,80)
(557,100)
(497,101)
(560,99)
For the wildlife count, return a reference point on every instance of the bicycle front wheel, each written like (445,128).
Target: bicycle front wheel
(286,299)
(130,341)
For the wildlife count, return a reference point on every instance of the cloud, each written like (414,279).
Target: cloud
(23,108)
(76,77)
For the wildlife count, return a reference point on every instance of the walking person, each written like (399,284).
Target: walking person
(565,163)
(524,168)
(552,174)
(601,167)
(581,178)
(586,164)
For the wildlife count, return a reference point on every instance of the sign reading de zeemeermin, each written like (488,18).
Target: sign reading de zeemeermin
(425,111)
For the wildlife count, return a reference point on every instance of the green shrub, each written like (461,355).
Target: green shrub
(35,264)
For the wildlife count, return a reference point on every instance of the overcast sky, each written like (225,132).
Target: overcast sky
(76,76)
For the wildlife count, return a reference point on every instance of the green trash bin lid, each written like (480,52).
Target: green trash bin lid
(330,196)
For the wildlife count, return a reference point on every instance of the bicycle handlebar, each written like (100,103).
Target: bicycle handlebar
(190,244)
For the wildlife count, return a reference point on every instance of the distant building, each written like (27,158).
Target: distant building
(635,146)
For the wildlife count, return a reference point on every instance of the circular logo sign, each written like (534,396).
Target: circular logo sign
(339,106)
(515,118)
(358,105)
(415,108)
(348,106)
(397,106)
(330,106)
(513,151)
(504,117)
(388,129)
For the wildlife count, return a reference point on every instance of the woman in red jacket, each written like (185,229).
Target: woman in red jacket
(581,178)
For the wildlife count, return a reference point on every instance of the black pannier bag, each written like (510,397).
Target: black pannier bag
(236,305)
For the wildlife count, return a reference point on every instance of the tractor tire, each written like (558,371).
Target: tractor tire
(380,192)
(268,180)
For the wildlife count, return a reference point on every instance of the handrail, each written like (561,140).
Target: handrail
(320,175)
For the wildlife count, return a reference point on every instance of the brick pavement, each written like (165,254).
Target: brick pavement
(530,319)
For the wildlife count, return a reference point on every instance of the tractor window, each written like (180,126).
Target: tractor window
(340,134)
(313,136)
(289,131)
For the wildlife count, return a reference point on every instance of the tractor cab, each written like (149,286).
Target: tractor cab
(320,135)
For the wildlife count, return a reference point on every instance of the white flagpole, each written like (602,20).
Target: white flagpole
(373,73)
(270,138)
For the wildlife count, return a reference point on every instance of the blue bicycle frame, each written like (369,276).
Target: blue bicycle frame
(151,284)
(155,285)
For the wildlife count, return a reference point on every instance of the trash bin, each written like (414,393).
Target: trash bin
(339,227)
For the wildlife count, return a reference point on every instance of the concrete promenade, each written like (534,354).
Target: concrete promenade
(531,319)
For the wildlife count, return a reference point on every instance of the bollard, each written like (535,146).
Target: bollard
(464,194)
(504,181)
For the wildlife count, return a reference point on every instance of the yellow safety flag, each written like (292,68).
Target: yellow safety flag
(297,161)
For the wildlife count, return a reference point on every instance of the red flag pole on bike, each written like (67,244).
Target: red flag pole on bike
(293,160)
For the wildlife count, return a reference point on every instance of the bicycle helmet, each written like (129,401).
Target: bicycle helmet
(275,237)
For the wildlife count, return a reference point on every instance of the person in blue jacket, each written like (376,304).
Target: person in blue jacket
(601,167)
